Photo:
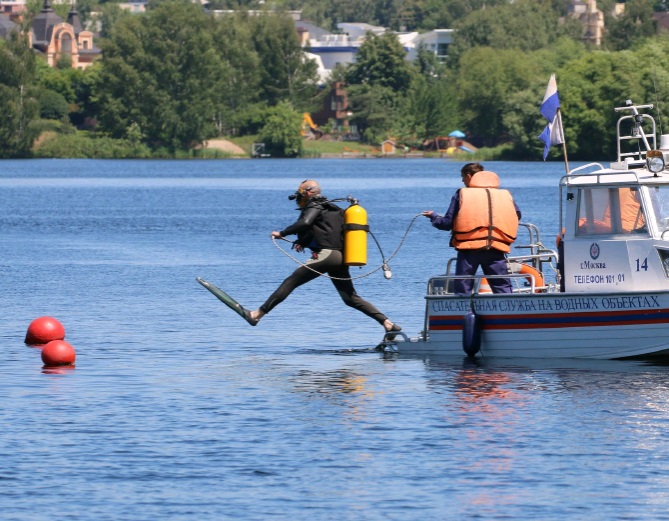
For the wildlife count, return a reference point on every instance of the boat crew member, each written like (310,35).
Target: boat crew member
(320,228)
(483,221)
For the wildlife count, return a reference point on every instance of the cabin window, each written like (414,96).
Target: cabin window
(610,210)
(659,198)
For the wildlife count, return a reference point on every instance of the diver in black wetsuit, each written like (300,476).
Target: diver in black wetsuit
(320,229)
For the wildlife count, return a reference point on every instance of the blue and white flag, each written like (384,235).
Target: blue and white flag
(552,134)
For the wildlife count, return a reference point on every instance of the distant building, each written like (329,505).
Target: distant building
(662,19)
(55,38)
(333,49)
(12,7)
(591,18)
(335,109)
(7,26)
(341,48)
(134,6)
(50,35)
(437,42)
(389,146)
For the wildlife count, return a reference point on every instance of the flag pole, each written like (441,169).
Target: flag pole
(564,141)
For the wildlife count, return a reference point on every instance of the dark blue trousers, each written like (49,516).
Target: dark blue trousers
(492,262)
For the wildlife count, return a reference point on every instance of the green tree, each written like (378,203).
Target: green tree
(239,89)
(110,15)
(85,108)
(443,14)
(161,71)
(282,131)
(17,104)
(63,81)
(590,89)
(285,73)
(52,105)
(328,14)
(381,62)
(408,15)
(635,23)
(521,120)
(375,111)
(523,123)
(525,25)
(561,52)
(378,83)
(85,7)
(431,107)
(486,79)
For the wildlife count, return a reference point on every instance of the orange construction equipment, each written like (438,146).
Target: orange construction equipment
(309,128)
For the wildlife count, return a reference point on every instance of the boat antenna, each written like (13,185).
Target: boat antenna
(657,102)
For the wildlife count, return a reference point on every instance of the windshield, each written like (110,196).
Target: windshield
(610,210)
(659,198)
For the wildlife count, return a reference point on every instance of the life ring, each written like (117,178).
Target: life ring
(530,273)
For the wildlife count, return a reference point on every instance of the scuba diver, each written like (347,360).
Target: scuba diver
(319,228)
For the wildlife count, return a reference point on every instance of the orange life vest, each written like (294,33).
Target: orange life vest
(487,216)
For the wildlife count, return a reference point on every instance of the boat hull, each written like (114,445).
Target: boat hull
(549,325)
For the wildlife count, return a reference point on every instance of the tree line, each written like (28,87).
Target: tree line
(177,76)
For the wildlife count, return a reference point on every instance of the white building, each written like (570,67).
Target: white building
(341,48)
(436,42)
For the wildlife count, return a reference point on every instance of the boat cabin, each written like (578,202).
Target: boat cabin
(615,220)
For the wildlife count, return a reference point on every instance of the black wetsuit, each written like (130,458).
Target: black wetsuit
(320,228)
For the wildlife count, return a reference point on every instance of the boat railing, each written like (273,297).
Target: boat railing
(636,132)
(600,176)
(583,167)
(442,285)
(537,249)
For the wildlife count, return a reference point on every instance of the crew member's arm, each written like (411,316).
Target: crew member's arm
(445,222)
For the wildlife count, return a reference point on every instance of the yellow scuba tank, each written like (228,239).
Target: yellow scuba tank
(355,235)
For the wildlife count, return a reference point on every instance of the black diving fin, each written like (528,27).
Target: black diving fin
(229,301)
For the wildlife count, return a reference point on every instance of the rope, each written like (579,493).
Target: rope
(383,265)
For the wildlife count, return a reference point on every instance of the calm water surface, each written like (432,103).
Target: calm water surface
(177,409)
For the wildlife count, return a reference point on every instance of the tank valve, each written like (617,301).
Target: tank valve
(386,271)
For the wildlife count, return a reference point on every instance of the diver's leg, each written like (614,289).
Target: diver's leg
(348,294)
(300,276)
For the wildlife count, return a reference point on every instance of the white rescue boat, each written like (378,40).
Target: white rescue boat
(602,294)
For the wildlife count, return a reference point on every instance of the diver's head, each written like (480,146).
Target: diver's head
(307,189)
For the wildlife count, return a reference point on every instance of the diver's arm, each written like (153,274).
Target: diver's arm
(305,222)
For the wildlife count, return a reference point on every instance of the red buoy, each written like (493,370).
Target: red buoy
(43,330)
(58,352)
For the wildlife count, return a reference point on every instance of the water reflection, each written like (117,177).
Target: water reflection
(476,387)
(62,369)
(329,383)
(483,380)
(340,387)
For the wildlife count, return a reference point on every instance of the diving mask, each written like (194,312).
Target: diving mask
(301,196)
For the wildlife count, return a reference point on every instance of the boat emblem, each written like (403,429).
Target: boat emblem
(594,250)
